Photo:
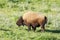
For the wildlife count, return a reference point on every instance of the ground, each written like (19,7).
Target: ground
(11,10)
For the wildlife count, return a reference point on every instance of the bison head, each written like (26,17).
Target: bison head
(20,21)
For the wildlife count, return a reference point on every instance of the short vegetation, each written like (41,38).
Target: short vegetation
(11,10)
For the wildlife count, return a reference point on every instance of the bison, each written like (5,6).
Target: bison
(32,19)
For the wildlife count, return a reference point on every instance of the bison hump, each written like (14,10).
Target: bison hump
(30,16)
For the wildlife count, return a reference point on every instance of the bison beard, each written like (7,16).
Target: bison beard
(30,23)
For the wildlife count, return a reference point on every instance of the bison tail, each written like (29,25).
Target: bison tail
(45,19)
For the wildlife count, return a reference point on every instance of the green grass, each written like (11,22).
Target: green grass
(11,10)
(10,31)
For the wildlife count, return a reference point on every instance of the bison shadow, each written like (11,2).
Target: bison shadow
(5,30)
(53,31)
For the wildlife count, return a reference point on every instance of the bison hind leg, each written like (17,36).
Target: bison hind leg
(34,27)
(42,28)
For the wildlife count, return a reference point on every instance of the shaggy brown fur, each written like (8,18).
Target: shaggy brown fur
(20,21)
(33,19)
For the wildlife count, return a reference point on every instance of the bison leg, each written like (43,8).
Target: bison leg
(29,28)
(33,27)
(42,28)
(28,24)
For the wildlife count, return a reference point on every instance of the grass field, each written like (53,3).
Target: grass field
(11,10)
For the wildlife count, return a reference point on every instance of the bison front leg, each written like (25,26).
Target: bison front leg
(29,28)
(28,25)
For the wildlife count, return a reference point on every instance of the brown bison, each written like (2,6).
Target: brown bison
(32,19)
